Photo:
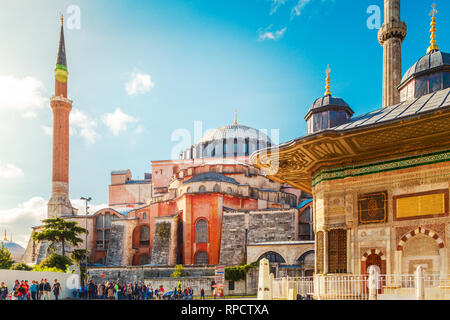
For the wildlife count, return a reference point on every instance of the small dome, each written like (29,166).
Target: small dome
(427,64)
(327,101)
(327,112)
(211,176)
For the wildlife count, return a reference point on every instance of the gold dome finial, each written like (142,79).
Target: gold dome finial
(62,20)
(235,117)
(433,47)
(5,239)
(328,71)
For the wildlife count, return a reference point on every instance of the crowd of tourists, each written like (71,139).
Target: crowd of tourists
(132,291)
(23,290)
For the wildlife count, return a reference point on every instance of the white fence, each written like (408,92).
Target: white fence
(357,287)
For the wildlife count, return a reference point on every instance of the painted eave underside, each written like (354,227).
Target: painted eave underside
(409,128)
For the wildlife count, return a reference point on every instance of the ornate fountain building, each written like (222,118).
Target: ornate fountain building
(380,181)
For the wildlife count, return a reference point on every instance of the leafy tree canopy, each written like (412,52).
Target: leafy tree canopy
(60,231)
(56,261)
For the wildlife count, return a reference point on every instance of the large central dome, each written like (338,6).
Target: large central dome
(228,141)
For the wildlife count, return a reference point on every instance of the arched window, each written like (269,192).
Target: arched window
(306,263)
(202,189)
(144,236)
(201,231)
(229,190)
(188,190)
(144,259)
(103,230)
(201,258)
(216,188)
(273,257)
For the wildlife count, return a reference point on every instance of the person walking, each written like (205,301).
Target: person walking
(3,291)
(56,289)
(34,290)
(41,289)
(47,289)
(202,294)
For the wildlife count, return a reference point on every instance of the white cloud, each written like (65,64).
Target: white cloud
(139,84)
(22,95)
(267,34)
(276,4)
(24,216)
(298,8)
(81,124)
(118,121)
(9,170)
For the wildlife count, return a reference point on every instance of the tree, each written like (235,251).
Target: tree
(21,267)
(5,258)
(56,261)
(79,257)
(58,230)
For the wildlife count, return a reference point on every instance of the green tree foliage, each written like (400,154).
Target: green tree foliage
(21,267)
(38,268)
(59,231)
(178,272)
(56,261)
(79,257)
(239,273)
(5,258)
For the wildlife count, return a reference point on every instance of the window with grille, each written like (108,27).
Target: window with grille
(337,251)
(144,236)
(201,231)
(202,189)
(103,230)
(305,226)
(201,258)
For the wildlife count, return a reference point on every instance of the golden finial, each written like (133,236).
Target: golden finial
(433,47)
(5,239)
(235,117)
(62,20)
(328,71)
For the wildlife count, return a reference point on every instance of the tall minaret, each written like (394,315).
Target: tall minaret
(59,204)
(391,36)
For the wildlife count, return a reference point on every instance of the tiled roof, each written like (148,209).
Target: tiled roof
(429,103)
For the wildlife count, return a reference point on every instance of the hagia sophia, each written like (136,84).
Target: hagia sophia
(210,206)
(377,184)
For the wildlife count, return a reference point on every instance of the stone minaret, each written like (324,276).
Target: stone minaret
(59,204)
(391,36)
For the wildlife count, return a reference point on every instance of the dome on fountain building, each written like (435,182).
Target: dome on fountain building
(430,74)
(327,111)
(228,141)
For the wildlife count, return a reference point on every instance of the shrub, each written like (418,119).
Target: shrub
(5,258)
(56,261)
(239,273)
(21,267)
(178,272)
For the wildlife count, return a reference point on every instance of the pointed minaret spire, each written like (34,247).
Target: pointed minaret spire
(5,239)
(433,46)
(61,72)
(327,81)
(235,118)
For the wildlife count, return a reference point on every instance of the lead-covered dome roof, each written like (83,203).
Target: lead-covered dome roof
(428,64)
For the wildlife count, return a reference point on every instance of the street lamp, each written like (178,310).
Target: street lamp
(86,241)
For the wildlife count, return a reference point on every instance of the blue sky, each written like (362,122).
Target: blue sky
(190,60)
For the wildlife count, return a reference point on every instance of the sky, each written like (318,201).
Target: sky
(141,70)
